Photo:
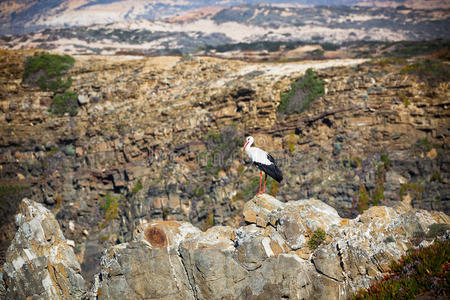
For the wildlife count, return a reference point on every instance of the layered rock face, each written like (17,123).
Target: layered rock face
(266,259)
(40,262)
(149,137)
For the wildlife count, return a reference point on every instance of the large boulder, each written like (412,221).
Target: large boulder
(148,267)
(40,264)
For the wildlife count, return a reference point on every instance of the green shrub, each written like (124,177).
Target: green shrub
(251,187)
(420,272)
(199,191)
(65,103)
(363,198)
(316,239)
(137,187)
(415,188)
(436,177)
(388,240)
(302,93)
(221,146)
(329,46)
(46,70)
(376,195)
(110,207)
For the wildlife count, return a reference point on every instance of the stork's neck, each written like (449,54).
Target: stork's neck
(247,147)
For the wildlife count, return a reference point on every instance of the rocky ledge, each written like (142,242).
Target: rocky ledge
(278,254)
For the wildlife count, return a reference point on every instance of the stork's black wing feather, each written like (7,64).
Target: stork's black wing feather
(271,159)
(272,170)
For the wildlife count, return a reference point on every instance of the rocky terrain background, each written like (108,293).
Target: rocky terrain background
(17,17)
(252,28)
(158,139)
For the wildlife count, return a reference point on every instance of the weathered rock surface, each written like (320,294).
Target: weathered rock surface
(40,263)
(174,260)
(145,137)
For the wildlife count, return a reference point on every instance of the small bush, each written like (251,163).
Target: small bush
(330,47)
(436,177)
(302,93)
(137,187)
(199,191)
(415,188)
(65,103)
(316,239)
(421,272)
(46,70)
(221,147)
(110,207)
(388,240)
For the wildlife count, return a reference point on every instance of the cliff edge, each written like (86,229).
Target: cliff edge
(296,250)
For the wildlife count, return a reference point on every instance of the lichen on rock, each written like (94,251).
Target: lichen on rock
(39,262)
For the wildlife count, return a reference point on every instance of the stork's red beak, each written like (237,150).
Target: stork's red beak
(243,148)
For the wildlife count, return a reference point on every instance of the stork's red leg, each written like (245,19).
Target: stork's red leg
(260,179)
(265,178)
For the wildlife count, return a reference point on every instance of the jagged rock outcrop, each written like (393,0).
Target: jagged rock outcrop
(40,263)
(267,259)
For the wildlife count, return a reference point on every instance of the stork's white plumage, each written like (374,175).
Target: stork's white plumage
(264,161)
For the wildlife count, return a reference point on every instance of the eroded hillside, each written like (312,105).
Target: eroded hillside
(158,138)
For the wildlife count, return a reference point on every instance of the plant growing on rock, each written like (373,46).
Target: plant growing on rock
(221,146)
(65,103)
(46,70)
(137,187)
(302,93)
(316,239)
(415,188)
(110,207)
(423,271)
(380,167)
(437,229)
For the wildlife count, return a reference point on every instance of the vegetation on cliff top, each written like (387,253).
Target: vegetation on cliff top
(424,271)
(48,72)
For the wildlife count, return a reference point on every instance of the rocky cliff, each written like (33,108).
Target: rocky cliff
(276,255)
(158,138)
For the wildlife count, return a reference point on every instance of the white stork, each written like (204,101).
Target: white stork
(264,161)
